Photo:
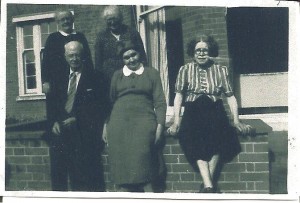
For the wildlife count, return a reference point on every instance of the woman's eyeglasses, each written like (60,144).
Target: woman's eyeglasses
(199,51)
(127,57)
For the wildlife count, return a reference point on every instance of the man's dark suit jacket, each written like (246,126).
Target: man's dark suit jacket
(89,110)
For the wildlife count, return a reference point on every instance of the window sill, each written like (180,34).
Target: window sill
(31,97)
(263,74)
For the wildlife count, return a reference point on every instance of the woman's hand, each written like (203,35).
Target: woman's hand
(104,134)
(173,129)
(243,128)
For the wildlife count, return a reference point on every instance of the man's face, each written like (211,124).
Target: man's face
(65,21)
(73,57)
(113,21)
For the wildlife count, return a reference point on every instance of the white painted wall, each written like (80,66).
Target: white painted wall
(263,90)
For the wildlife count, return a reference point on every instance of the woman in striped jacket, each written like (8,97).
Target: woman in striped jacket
(205,133)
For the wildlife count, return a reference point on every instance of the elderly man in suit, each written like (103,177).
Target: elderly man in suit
(78,117)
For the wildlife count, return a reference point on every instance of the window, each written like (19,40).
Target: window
(32,32)
(258,39)
(159,25)
(258,48)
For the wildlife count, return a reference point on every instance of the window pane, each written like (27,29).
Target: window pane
(31,82)
(28,30)
(52,27)
(28,42)
(44,27)
(258,39)
(44,38)
(29,57)
(30,69)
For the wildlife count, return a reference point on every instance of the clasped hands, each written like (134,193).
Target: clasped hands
(57,126)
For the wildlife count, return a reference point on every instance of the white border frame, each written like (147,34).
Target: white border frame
(293,123)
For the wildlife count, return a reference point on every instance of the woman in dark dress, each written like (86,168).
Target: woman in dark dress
(205,133)
(136,121)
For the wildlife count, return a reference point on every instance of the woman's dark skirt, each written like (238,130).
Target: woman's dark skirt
(205,131)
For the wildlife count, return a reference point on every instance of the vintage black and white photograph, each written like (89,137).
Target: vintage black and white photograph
(147,99)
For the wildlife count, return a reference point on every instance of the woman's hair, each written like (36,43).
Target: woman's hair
(112,9)
(213,48)
(125,45)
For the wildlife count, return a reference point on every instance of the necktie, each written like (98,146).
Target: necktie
(71,93)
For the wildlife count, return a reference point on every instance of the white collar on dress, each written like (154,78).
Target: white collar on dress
(66,34)
(128,72)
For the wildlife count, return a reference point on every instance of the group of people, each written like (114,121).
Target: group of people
(120,102)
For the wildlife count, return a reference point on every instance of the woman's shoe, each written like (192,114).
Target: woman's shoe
(208,190)
(201,188)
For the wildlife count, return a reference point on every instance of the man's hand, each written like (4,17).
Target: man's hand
(104,134)
(46,87)
(68,122)
(56,128)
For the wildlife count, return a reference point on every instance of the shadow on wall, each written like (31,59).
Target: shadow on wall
(7,172)
(278,156)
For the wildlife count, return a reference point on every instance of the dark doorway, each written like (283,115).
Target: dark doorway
(174,53)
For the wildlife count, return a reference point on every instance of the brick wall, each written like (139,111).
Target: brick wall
(28,166)
(27,161)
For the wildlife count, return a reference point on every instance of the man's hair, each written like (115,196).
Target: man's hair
(112,9)
(60,10)
(72,44)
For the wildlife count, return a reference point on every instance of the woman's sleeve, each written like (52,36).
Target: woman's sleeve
(181,81)
(113,85)
(159,99)
(226,85)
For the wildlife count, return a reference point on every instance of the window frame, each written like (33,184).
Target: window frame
(24,93)
(141,13)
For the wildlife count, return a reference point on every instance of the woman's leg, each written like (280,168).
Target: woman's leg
(207,170)
(205,173)
(212,164)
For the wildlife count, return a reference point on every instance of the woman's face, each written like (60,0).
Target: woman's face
(131,59)
(201,53)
